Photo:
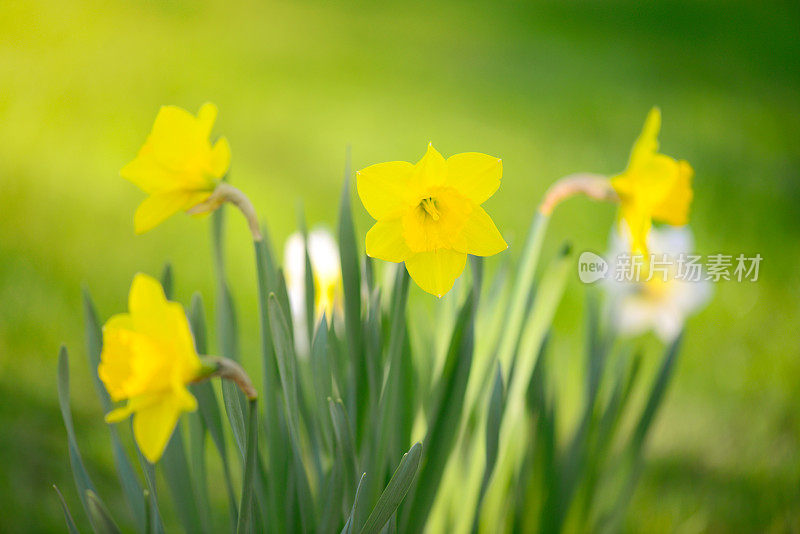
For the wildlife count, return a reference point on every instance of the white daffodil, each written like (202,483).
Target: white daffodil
(664,297)
(326,268)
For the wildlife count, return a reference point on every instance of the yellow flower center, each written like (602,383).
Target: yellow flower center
(429,205)
(436,221)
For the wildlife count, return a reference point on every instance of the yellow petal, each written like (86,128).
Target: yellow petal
(474,175)
(647,143)
(384,188)
(430,171)
(436,271)
(115,360)
(154,424)
(165,324)
(220,158)
(639,224)
(674,209)
(206,117)
(481,235)
(118,414)
(178,137)
(147,174)
(158,207)
(385,241)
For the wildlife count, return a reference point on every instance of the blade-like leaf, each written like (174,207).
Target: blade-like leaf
(79,473)
(267,277)
(344,443)
(387,409)
(227,331)
(351,282)
(176,472)
(348,526)
(71,527)
(248,476)
(493,419)
(208,404)
(154,521)
(445,417)
(287,369)
(127,476)
(395,491)
(102,521)
(167,280)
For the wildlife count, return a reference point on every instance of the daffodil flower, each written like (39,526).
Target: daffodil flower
(654,187)
(327,274)
(177,166)
(429,214)
(148,358)
(663,302)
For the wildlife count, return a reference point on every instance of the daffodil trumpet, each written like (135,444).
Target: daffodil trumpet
(227,369)
(594,186)
(225,192)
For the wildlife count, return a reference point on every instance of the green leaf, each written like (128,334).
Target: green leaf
(176,472)
(284,351)
(71,527)
(387,420)
(522,289)
(611,521)
(79,473)
(321,382)
(208,404)
(308,280)
(287,369)
(344,443)
(348,526)
(248,476)
(395,491)
(444,418)
(227,332)
(156,524)
(267,278)
(493,419)
(127,476)
(102,521)
(351,283)
(656,396)
(197,464)
(229,348)
(167,280)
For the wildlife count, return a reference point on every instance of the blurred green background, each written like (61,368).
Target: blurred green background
(552,88)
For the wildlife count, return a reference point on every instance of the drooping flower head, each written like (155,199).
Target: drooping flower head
(327,274)
(177,166)
(661,301)
(148,358)
(429,215)
(654,187)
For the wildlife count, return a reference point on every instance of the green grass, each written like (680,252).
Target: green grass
(551,89)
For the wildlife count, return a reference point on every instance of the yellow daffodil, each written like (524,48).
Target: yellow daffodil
(177,166)
(429,215)
(148,359)
(654,187)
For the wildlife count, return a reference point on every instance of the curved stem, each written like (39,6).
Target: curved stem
(229,370)
(595,186)
(225,192)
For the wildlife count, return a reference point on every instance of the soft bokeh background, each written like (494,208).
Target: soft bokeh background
(551,88)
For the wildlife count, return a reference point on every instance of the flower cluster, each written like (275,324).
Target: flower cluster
(428,216)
